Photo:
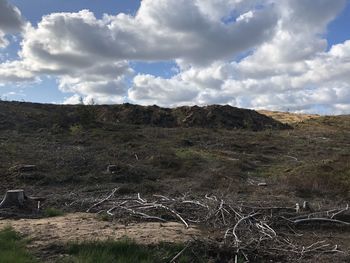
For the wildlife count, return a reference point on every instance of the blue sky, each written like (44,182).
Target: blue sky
(339,30)
(33,11)
(173,53)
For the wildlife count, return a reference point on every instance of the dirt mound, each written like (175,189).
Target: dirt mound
(138,115)
(216,116)
(213,116)
(35,116)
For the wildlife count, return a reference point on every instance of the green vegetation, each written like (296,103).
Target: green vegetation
(329,177)
(76,130)
(189,153)
(12,248)
(52,212)
(124,251)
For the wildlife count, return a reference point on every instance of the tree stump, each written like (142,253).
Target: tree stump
(112,168)
(13,198)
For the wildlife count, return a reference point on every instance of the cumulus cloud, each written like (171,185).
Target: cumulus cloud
(248,53)
(291,71)
(149,89)
(69,45)
(15,71)
(10,21)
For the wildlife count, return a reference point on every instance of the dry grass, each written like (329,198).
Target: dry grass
(287,117)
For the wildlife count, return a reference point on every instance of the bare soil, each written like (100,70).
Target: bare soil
(87,227)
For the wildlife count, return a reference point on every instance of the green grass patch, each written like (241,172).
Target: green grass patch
(124,251)
(104,217)
(186,153)
(12,248)
(52,212)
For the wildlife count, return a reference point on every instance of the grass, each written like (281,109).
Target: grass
(52,212)
(12,248)
(123,251)
(326,177)
(185,153)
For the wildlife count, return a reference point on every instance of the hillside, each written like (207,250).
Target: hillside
(206,149)
(234,154)
(214,116)
(288,117)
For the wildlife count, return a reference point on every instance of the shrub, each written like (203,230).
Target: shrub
(124,251)
(76,130)
(52,212)
(87,115)
(12,248)
(321,178)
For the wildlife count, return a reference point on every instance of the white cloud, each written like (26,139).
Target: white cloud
(148,89)
(293,70)
(15,71)
(287,65)
(10,21)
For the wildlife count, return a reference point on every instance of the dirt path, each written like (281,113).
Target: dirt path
(82,227)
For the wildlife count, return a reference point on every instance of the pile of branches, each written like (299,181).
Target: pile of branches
(244,229)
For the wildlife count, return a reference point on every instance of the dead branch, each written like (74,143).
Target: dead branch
(320,220)
(180,253)
(102,201)
(247,229)
(237,241)
(341,211)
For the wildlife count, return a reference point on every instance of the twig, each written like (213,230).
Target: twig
(180,253)
(104,200)
(175,213)
(341,211)
(237,241)
(327,220)
(139,198)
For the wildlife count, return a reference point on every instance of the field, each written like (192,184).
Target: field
(241,157)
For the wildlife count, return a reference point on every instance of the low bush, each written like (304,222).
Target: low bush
(52,212)
(12,248)
(321,178)
(124,251)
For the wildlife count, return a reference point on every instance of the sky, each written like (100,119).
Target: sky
(286,55)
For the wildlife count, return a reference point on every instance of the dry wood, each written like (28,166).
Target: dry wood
(320,220)
(180,253)
(246,228)
(102,201)
(13,198)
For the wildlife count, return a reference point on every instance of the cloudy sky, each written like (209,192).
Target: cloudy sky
(263,54)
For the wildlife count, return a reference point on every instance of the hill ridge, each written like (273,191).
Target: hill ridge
(211,116)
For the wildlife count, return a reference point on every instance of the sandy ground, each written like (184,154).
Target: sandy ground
(82,227)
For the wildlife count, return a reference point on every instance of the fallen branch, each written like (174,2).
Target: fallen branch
(102,201)
(237,241)
(180,253)
(327,220)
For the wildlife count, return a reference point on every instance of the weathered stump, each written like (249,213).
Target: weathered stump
(112,168)
(13,198)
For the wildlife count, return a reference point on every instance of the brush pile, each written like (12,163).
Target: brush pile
(249,232)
